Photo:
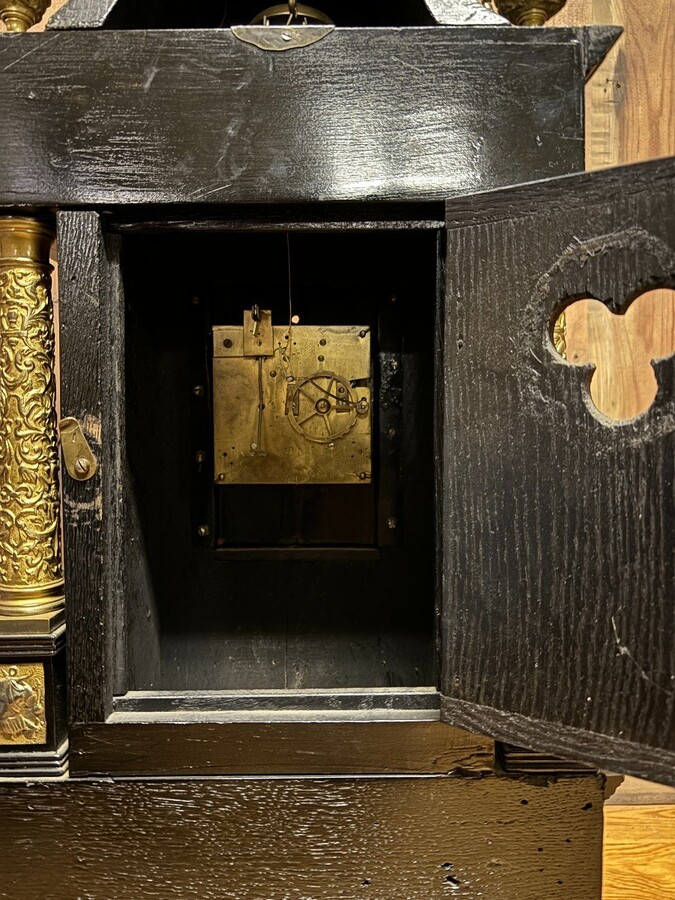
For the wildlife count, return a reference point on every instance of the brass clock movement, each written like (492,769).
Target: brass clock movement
(292,403)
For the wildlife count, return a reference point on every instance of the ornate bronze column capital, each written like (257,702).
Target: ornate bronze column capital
(20,15)
(31,577)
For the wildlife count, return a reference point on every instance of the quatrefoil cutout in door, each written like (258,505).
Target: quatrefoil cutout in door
(621,349)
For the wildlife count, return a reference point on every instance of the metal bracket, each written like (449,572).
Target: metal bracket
(278,37)
(81,464)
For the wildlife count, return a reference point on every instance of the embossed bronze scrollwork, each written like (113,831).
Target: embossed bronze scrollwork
(31,578)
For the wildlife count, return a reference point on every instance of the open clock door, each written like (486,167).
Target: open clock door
(558,508)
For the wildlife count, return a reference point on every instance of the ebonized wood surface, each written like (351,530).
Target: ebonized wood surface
(129,117)
(384,838)
(159,748)
(81,14)
(558,601)
(92,390)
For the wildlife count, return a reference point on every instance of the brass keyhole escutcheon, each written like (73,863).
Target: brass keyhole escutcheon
(620,347)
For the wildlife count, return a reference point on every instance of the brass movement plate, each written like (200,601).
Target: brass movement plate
(22,704)
(299,416)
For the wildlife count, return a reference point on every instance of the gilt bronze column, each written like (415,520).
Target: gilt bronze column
(32,727)
(31,576)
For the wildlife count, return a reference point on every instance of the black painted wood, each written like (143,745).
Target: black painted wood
(92,390)
(279,217)
(558,571)
(423,701)
(81,14)
(123,117)
(138,746)
(328,839)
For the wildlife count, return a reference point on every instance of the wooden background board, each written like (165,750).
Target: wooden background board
(413,838)
(631,98)
(620,348)
(559,565)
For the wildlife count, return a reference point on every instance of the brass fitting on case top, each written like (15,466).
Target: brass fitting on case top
(529,12)
(20,15)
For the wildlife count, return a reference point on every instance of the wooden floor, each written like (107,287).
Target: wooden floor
(639,857)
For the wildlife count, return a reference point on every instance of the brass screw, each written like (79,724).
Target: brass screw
(198,390)
(529,12)
(82,466)
(203,531)
(200,456)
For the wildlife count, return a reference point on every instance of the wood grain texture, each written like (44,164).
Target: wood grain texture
(630,112)
(631,100)
(413,838)
(637,792)
(576,745)
(113,117)
(558,566)
(639,853)
(620,348)
(91,341)
(79,14)
(292,748)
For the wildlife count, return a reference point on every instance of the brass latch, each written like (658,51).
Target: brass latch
(285,26)
(81,464)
